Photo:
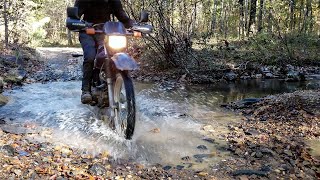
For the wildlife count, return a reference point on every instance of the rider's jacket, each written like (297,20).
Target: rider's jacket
(99,11)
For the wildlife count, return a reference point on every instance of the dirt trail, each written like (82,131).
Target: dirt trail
(58,64)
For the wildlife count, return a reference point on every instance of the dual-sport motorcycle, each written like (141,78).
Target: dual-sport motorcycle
(112,87)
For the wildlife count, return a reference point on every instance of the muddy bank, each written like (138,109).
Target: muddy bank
(274,135)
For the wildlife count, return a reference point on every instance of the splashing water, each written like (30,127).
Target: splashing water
(169,122)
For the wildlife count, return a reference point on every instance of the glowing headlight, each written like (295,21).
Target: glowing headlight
(117,42)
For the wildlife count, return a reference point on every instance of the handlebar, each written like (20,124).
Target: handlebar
(78,25)
(136,30)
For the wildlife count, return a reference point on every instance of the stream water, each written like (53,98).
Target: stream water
(172,123)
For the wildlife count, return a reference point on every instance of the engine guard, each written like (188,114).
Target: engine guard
(124,62)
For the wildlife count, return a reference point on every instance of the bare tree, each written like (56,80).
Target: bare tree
(5,19)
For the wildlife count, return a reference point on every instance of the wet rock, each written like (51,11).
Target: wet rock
(203,174)
(21,74)
(15,129)
(243,103)
(285,167)
(288,152)
(230,76)
(208,128)
(201,156)
(243,177)
(251,132)
(202,147)
(86,160)
(2,121)
(186,158)
(179,167)
(313,85)
(1,84)
(258,76)
(295,76)
(155,130)
(7,149)
(210,140)
(249,172)
(245,77)
(166,168)
(267,151)
(18,172)
(23,153)
(258,154)
(97,169)
(269,75)
(314,76)
(3,100)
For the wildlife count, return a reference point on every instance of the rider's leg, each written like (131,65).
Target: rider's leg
(100,60)
(89,53)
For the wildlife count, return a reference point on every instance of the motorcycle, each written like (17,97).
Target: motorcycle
(112,86)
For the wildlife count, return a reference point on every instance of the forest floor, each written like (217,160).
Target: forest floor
(276,139)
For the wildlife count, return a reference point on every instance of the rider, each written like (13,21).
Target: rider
(96,11)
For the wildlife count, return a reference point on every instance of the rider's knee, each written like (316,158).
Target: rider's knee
(90,56)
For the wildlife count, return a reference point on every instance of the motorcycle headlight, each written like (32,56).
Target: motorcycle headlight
(117,42)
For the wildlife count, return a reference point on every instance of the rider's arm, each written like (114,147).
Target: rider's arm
(121,14)
(79,5)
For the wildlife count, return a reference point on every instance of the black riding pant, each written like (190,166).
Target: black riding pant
(89,45)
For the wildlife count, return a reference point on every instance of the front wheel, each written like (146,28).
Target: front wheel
(125,111)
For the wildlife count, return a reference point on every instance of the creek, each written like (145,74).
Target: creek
(175,125)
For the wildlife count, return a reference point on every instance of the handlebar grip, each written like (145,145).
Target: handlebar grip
(77,55)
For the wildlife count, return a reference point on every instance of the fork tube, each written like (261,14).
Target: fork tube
(107,67)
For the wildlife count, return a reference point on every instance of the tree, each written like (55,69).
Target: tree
(5,19)
(252,18)
(260,15)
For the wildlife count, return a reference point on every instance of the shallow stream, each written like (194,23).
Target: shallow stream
(175,125)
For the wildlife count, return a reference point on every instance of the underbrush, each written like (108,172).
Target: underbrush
(263,49)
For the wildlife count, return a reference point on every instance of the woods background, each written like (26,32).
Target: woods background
(183,28)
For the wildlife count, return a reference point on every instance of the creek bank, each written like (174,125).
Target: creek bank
(228,73)
(274,133)
(26,152)
(57,64)
(15,69)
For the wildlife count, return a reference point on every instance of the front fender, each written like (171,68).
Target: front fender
(124,62)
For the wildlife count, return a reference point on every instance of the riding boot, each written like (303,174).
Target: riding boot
(86,96)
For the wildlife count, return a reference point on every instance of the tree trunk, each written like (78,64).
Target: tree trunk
(270,18)
(252,18)
(6,23)
(221,18)
(241,20)
(69,38)
(260,23)
(292,17)
(214,17)
(301,17)
(225,21)
(246,14)
(308,19)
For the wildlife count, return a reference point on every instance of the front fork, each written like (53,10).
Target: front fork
(107,67)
